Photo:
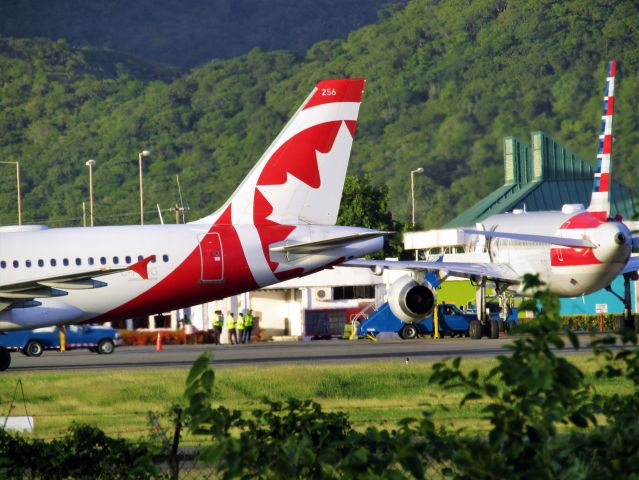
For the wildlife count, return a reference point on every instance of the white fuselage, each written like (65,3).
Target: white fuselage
(568,271)
(194,263)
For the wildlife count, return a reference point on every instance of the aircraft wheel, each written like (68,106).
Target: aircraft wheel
(408,332)
(474,329)
(34,349)
(618,324)
(5,359)
(106,346)
(494,329)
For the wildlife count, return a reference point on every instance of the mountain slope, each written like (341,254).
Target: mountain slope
(189,32)
(446,81)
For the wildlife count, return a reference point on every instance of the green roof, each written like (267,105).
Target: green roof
(545,176)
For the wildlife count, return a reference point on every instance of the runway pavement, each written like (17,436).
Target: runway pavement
(332,352)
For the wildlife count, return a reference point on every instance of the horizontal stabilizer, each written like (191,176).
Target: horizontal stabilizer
(320,245)
(524,237)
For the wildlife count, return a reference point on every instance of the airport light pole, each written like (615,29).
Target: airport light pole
(412,189)
(17,164)
(90,164)
(143,153)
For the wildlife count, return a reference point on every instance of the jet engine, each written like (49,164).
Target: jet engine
(411,301)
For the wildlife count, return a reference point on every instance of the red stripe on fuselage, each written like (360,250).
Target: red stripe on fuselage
(182,287)
(581,220)
(571,256)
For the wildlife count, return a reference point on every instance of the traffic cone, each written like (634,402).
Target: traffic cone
(158,343)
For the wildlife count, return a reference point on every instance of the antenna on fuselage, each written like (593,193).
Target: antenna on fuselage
(177,179)
(160,214)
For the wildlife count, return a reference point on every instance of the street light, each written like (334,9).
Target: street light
(18,185)
(412,189)
(90,164)
(143,153)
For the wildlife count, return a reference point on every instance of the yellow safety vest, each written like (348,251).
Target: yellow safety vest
(240,322)
(230,321)
(219,321)
(248,320)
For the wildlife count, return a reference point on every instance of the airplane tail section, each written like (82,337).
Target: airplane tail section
(300,177)
(600,200)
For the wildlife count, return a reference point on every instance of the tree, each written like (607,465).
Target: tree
(366,205)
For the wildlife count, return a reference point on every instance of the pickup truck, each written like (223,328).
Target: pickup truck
(32,343)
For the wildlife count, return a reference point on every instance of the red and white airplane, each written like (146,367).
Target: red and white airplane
(278,224)
(574,251)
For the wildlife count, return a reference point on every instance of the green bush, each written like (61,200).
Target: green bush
(85,452)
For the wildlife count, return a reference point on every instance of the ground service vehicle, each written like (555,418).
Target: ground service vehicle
(32,343)
(452,322)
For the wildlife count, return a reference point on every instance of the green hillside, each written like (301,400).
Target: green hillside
(189,32)
(446,81)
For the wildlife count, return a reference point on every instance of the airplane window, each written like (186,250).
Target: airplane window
(53,262)
(153,259)
(78,261)
(116,260)
(3,264)
(140,258)
(16,264)
(90,261)
(65,262)
(127,259)
(40,263)
(27,263)
(102,260)
(165,258)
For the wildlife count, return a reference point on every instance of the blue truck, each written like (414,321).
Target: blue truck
(32,343)
(452,322)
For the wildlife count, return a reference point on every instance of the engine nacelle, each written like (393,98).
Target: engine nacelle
(411,301)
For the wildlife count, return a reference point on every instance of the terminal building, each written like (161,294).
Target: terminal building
(542,175)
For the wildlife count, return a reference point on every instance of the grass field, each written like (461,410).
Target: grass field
(372,395)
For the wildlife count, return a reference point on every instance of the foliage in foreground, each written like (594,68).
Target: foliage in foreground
(85,452)
(531,393)
(546,421)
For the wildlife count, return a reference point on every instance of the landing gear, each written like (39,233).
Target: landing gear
(5,359)
(627,321)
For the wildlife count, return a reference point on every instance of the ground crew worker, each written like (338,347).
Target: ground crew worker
(240,327)
(230,324)
(218,323)
(248,325)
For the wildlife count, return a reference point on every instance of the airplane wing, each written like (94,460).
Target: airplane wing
(22,294)
(319,245)
(498,271)
(565,242)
